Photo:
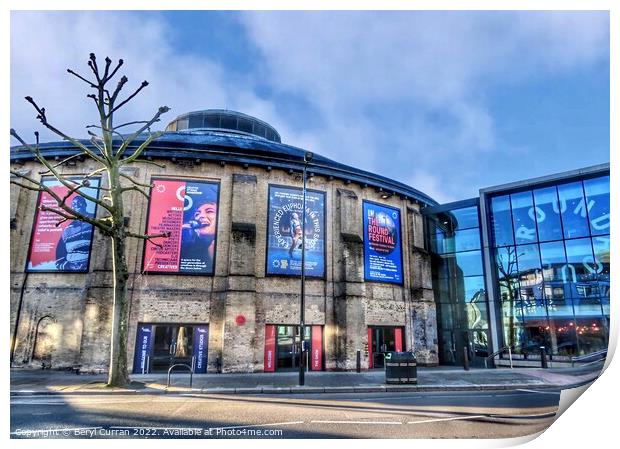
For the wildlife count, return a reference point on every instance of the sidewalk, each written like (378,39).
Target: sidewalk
(29,382)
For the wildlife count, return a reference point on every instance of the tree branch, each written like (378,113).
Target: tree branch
(148,186)
(128,99)
(62,162)
(126,189)
(149,237)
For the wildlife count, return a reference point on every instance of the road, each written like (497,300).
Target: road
(482,414)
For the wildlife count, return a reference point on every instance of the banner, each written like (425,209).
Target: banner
(382,247)
(63,247)
(201,345)
(270,348)
(143,349)
(284,229)
(317,348)
(188,210)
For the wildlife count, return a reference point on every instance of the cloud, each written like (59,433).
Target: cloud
(397,93)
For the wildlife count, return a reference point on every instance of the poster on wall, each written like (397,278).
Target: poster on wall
(62,246)
(284,232)
(188,211)
(382,245)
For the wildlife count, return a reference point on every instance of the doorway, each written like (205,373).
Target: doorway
(381,340)
(283,344)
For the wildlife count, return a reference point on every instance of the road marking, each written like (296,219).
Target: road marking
(257,425)
(556,393)
(446,419)
(356,422)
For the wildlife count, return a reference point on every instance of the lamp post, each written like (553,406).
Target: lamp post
(302,361)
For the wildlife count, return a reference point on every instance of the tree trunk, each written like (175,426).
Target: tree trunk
(117,375)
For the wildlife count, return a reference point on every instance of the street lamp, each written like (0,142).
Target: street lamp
(302,361)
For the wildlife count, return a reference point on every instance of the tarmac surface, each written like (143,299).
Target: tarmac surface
(38,382)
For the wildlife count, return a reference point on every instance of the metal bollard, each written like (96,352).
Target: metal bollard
(543,357)
(359,361)
(465,359)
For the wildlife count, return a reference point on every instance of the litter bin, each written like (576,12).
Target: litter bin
(401,368)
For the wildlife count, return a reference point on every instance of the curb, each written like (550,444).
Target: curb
(310,390)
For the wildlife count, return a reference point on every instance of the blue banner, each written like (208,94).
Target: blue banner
(201,346)
(284,232)
(143,349)
(382,245)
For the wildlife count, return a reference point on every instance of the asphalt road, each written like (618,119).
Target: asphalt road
(483,414)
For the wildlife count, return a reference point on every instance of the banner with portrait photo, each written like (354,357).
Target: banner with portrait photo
(188,211)
(382,244)
(59,245)
(284,232)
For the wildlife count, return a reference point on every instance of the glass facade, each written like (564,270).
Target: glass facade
(458,283)
(550,252)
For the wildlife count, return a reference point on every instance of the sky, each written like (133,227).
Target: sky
(447,102)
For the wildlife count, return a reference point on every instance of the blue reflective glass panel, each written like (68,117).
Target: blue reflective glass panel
(597,194)
(581,270)
(473,289)
(530,273)
(553,259)
(574,213)
(468,263)
(507,273)
(477,315)
(501,221)
(588,307)
(548,214)
(466,217)
(523,217)
(467,240)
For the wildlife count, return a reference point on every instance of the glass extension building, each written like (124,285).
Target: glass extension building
(524,266)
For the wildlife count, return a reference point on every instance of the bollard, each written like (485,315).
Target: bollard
(543,357)
(359,361)
(465,359)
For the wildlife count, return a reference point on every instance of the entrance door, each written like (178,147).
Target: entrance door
(283,344)
(289,346)
(383,339)
(172,344)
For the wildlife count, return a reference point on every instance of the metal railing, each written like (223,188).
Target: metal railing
(596,356)
(498,352)
(191,373)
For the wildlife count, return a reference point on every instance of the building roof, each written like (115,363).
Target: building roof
(246,150)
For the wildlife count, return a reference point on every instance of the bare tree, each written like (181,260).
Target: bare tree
(110,150)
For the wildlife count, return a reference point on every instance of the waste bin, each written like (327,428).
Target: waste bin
(401,368)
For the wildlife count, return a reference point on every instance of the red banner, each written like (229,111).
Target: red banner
(57,245)
(369,348)
(317,348)
(187,210)
(270,348)
(398,337)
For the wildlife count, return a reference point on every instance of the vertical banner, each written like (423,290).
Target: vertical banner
(62,246)
(369,347)
(143,348)
(284,229)
(317,348)
(270,348)
(382,247)
(201,348)
(398,339)
(188,210)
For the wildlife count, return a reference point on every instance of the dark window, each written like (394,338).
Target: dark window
(229,122)
(245,125)
(259,129)
(195,121)
(212,121)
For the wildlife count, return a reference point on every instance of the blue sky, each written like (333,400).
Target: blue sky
(447,102)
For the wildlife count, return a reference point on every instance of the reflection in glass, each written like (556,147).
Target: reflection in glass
(467,240)
(466,217)
(477,315)
(597,193)
(467,263)
(473,287)
(591,334)
(553,260)
(501,221)
(601,255)
(548,214)
(523,217)
(507,273)
(562,336)
(582,266)
(574,213)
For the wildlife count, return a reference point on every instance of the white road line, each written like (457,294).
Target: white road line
(356,422)
(446,419)
(258,425)
(556,393)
